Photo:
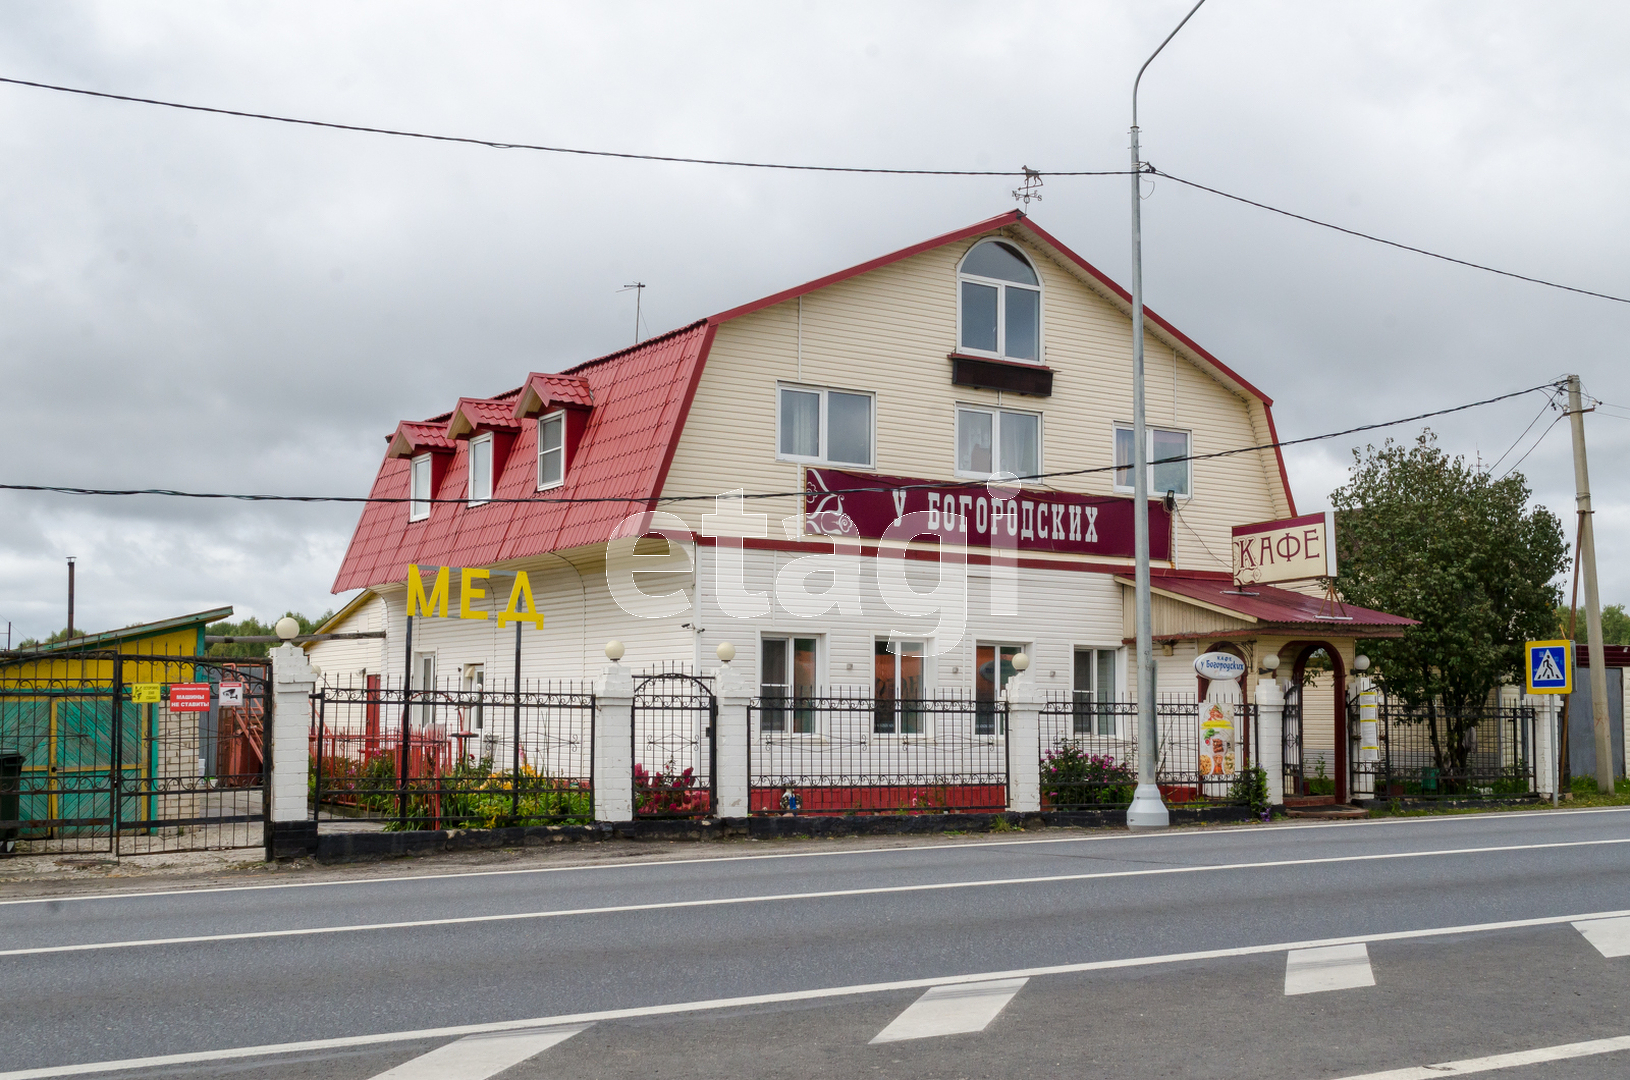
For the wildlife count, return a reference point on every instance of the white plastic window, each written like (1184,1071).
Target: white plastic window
(1169,467)
(990,441)
(823,426)
(999,301)
(551,450)
(480,469)
(419,488)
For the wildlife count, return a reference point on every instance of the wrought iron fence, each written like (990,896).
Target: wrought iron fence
(1089,752)
(102,752)
(851,753)
(1438,753)
(448,758)
(673,749)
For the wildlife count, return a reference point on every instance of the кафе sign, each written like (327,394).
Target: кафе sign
(1032,521)
(1290,549)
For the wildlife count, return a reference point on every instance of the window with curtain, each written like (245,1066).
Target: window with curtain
(824,427)
(1169,467)
(997,440)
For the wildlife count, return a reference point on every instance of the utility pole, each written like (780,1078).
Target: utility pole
(1593,603)
(1147,811)
(71,559)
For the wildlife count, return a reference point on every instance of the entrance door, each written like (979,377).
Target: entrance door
(1319,684)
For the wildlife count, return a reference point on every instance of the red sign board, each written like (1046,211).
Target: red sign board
(189,697)
(840,503)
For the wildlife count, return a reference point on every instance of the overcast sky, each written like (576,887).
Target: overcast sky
(219,304)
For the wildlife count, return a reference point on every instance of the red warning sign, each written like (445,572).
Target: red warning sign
(189,697)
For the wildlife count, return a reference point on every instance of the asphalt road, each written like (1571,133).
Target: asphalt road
(1112,955)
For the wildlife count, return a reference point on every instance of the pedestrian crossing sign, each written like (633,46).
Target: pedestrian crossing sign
(1550,667)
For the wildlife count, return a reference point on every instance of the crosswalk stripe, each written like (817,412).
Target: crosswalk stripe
(1610,936)
(951,1010)
(1335,967)
(1493,1062)
(477,1057)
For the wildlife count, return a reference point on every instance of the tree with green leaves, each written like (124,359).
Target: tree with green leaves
(253,627)
(1428,536)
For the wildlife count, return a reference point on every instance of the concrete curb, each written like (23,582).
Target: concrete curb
(351,846)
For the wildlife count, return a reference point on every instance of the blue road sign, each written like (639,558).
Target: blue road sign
(1549,670)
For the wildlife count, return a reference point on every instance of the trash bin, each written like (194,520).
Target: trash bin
(11,782)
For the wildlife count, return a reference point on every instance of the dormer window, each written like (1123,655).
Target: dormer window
(480,469)
(419,488)
(999,303)
(551,450)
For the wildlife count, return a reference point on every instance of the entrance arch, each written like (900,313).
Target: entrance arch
(1321,712)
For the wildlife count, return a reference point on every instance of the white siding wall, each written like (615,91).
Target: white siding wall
(889,332)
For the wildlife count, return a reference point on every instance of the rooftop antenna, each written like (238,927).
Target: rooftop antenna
(1030,189)
(639,294)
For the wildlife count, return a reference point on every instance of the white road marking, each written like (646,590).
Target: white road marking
(817,994)
(477,1057)
(1334,967)
(967,845)
(1610,936)
(1501,1061)
(766,898)
(951,1010)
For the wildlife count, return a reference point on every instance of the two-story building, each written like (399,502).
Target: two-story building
(820,479)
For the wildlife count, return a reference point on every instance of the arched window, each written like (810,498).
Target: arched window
(1000,303)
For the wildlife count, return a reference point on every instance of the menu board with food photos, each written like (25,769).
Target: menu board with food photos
(1217,751)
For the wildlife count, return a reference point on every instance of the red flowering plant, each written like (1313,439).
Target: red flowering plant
(672,794)
(1072,777)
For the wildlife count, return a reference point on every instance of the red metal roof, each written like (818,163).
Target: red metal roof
(638,400)
(483,414)
(1267,604)
(641,395)
(415,437)
(544,391)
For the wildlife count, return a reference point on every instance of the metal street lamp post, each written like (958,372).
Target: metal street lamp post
(1147,810)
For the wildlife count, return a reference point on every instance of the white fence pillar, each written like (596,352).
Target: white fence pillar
(1024,704)
(730,735)
(614,744)
(291,831)
(1270,718)
(1546,708)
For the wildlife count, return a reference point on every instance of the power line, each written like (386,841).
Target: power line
(1531,449)
(1549,403)
(504,145)
(1032,177)
(172,493)
(1391,243)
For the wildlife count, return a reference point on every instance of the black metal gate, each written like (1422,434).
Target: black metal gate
(102,752)
(674,757)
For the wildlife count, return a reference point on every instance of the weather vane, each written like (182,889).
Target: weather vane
(1030,189)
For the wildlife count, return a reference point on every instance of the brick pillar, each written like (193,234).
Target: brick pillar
(1546,710)
(730,733)
(291,831)
(614,744)
(1024,703)
(1270,716)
